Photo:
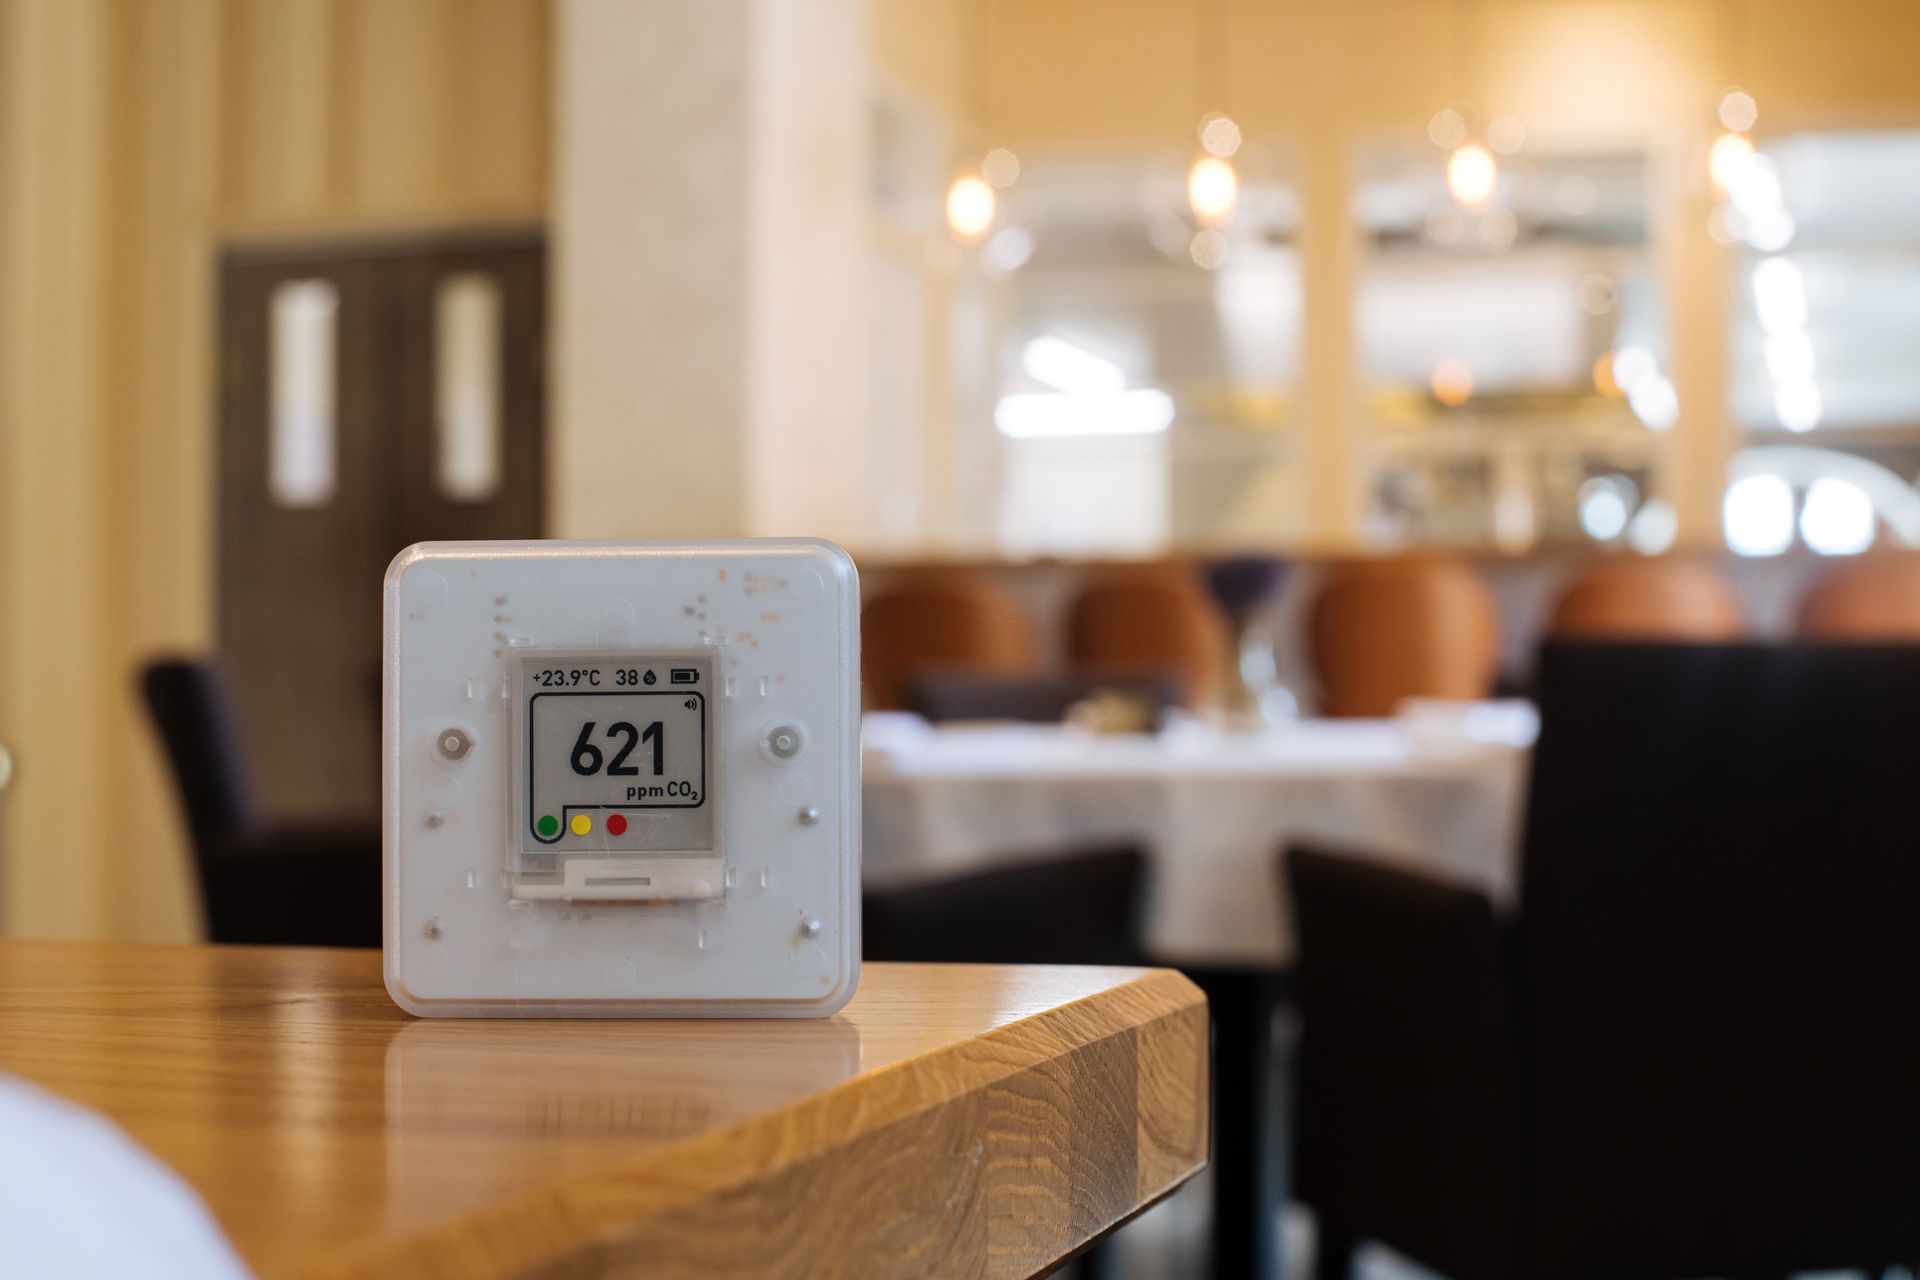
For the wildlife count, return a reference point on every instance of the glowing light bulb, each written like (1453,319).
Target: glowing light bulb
(1448,129)
(1653,529)
(1452,383)
(1506,134)
(1837,518)
(1738,110)
(1213,190)
(1001,167)
(970,203)
(1209,249)
(1606,504)
(1757,515)
(1727,161)
(1603,379)
(1472,174)
(1219,134)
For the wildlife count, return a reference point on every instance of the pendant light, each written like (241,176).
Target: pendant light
(972,202)
(1473,165)
(1213,185)
(1749,204)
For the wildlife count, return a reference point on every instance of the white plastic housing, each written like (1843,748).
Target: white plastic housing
(767,925)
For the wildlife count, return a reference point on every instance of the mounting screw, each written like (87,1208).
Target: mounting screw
(454,744)
(433,929)
(810,928)
(809,816)
(436,818)
(782,743)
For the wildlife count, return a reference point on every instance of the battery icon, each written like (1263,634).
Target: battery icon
(686,675)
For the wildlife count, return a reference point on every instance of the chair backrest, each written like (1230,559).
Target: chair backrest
(1875,598)
(1387,630)
(1149,623)
(947,621)
(194,718)
(1719,959)
(1079,908)
(1627,597)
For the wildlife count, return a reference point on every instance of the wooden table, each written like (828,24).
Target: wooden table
(952,1120)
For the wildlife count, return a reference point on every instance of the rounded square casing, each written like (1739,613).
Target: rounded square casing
(622,779)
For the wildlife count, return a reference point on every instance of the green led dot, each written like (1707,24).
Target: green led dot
(548,826)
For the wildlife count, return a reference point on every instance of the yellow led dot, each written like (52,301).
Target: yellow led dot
(582,824)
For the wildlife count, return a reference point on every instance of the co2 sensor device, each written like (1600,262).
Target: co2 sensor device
(622,779)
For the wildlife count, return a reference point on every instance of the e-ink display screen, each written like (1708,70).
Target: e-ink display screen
(616,754)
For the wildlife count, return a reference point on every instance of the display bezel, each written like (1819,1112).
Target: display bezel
(691,870)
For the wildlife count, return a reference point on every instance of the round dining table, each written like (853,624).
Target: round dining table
(1211,809)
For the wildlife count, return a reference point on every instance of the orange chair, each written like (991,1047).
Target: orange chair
(1873,598)
(1643,598)
(1386,630)
(944,621)
(1151,622)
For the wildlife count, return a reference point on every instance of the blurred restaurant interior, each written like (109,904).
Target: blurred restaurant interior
(1257,424)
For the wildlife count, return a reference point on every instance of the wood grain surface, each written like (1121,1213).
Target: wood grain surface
(952,1121)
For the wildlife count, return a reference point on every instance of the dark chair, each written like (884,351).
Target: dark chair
(1080,908)
(1692,1049)
(1036,699)
(284,885)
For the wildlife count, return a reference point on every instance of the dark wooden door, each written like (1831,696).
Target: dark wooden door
(374,395)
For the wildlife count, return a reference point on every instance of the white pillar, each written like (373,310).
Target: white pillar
(709,262)
(1335,452)
(1696,272)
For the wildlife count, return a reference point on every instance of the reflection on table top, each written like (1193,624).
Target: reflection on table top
(955,1119)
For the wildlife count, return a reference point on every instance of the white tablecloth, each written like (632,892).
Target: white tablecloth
(1212,811)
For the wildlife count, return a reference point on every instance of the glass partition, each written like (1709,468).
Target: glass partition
(1824,330)
(1512,352)
(1141,368)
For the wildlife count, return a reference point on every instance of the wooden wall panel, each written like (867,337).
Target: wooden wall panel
(364,112)
(63,71)
(279,113)
(501,111)
(397,102)
(134,138)
(1836,64)
(1072,72)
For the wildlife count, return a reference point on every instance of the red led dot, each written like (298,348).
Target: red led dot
(616,825)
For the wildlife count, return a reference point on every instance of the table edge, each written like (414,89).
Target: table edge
(676,1175)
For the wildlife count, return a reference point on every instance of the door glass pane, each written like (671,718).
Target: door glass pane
(301,463)
(466,393)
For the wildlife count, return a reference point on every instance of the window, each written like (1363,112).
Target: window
(1512,356)
(1141,371)
(466,386)
(302,462)
(1823,330)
